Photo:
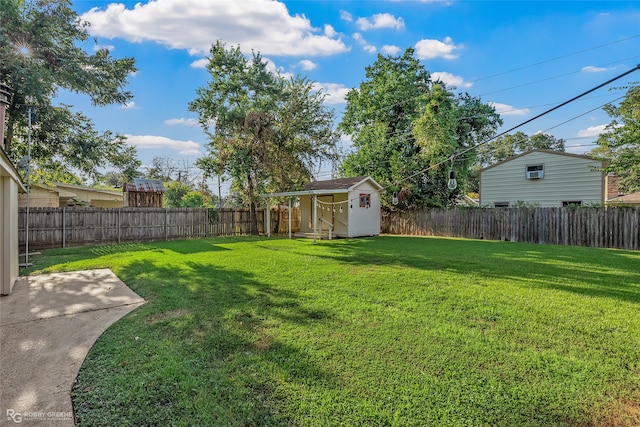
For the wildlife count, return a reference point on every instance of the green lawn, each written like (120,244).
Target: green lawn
(378,331)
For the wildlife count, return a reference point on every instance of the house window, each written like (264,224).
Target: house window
(572,203)
(501,205)
(365,200)
(535,172)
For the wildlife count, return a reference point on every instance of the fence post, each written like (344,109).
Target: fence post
(119,224)
(64,226)
(166,230)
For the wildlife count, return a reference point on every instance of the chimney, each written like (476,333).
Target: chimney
(5,95)
(611,186)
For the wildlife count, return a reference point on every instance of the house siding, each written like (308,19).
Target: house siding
(566,178)
(8,234)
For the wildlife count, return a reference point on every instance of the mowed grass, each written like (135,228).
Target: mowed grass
(396,331)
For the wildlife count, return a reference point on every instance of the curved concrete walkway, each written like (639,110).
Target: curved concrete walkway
(47,327)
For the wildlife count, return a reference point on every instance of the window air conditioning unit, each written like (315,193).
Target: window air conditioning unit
(535,174)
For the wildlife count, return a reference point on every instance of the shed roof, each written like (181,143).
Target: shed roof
(143,185)
(332,186)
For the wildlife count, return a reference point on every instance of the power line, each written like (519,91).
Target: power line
(637,67)
(556,58)
(555,77)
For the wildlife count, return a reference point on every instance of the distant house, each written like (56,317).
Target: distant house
(348,207)
(544,178)
(142,192)
(58,195)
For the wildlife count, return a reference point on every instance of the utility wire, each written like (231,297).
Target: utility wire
(637,67)
(556,58)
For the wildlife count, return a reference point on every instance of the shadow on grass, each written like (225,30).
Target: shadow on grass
(208,336)
(587,271)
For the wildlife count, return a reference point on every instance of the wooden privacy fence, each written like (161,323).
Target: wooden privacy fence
(61,227)
(580,226)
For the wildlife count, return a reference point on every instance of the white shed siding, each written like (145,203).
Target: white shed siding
(364,221)
(566,178)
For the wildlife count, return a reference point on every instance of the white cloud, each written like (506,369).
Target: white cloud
(380,20)
(346,16)
(193,25)
(329,31)
(153,142)
(593,69)
(431,48)
(129,106)
(390,49)
(362,42)
(99,47)
(592,131)
(307,65)
(336,93)
(450,79)
(345,142)
(200,63)
(508,110)
(182,121)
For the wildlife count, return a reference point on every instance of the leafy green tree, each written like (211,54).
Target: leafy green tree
(619,146)
(404,126)
(268,132)
(193,199)
(40,54)
(174,192)
(512,144)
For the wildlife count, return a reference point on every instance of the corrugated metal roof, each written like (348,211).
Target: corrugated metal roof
(143,185)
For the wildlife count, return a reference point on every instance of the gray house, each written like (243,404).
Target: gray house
(543,178)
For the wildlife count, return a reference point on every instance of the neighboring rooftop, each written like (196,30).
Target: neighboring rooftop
(143,185)
(628,199)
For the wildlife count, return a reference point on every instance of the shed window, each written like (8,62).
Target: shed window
(365,200)
(501,205)
(572,203)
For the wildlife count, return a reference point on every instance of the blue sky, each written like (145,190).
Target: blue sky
(524,57)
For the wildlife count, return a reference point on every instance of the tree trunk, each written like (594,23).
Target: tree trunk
(252,207)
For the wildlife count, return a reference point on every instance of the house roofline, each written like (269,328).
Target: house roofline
(12,171)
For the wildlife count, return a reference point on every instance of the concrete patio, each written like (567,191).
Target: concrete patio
(47,327)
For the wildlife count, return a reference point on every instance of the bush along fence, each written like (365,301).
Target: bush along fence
(62,227)
(617,227)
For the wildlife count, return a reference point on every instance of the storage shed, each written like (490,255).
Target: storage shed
(142,192)
(345,207)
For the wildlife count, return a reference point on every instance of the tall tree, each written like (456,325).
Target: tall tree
(404,125)
(512,144)
(619,146)
(267,132)
(40,54)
